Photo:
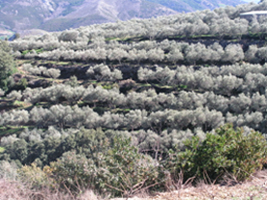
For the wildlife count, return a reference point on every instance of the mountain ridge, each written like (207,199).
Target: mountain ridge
(57,15)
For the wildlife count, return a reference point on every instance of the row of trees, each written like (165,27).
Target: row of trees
(219,22)
(71,127)
(219,80)
(109,162)
(166,51)
(148,99)
(43,147)
(103,73)
(41,71)
(66,116)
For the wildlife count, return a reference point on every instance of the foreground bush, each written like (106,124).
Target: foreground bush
(112,166)
(35,177)
(229,151)
(117,171)
(74,172)
(124,171)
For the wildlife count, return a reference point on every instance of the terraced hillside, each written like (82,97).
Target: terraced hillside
(108,106)
(58,15)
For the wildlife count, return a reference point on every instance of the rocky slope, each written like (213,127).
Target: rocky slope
(54,15)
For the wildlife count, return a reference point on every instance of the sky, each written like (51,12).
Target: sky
(256,1)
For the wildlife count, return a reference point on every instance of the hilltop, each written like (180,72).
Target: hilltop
(57,15)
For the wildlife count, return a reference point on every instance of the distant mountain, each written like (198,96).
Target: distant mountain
(86,12)
(56,15)
(193,5)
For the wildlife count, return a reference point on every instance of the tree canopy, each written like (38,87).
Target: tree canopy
(7,64)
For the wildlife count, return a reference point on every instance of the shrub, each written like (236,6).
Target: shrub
(227,151)
(117,170)
(53,73)
(124,171)
(35,176)
(7,64)
(8,170)
(73,81)
(74,172)
(2,92)
(15,95)
(102,72)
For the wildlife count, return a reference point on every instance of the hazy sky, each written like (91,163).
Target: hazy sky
(256,1)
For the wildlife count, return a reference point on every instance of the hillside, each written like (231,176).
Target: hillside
(193,5)
(137,106)
(56,15)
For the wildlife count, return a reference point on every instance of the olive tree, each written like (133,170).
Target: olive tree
(7,64)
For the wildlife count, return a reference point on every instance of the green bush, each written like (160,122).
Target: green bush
(7,64)
(74,172)
(124,171)
(35,177)
(119,170)
(228,151)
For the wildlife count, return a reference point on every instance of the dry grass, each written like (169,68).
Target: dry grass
(14,190)
(88,195)
(253,189)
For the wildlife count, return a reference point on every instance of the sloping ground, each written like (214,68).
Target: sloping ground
(255,189)
(14,190)
(192,5)
(95,12)
(63,14)
(204,192)
(56,15)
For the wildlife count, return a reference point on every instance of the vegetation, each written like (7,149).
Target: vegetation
(122,111)
(7,64)
(228,151)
